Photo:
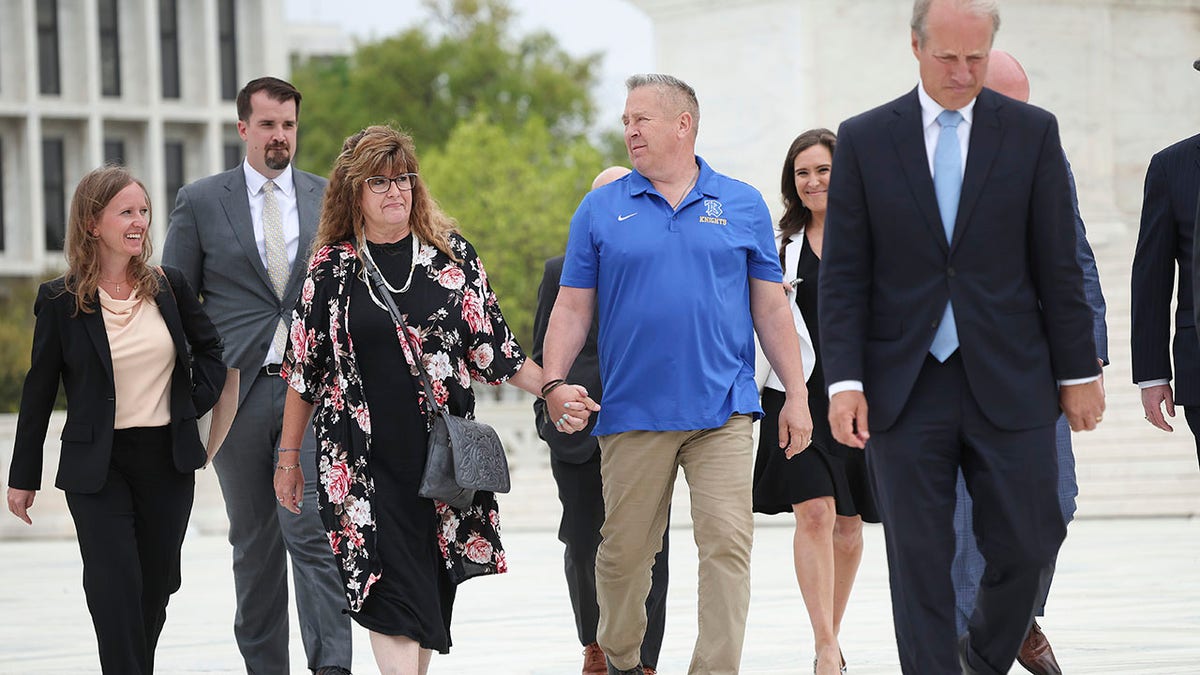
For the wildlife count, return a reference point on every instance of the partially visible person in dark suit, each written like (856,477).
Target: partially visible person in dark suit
(951,283)
(1166,248)
(1006,76)
(139,361)
(575,463)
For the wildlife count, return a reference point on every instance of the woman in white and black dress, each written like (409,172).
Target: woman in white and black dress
(825,486)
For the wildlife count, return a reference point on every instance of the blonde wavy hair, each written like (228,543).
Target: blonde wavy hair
(375,151)
(92,195)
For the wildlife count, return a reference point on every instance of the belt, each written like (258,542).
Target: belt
(271,369)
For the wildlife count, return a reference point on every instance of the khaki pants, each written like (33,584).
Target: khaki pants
(638,469)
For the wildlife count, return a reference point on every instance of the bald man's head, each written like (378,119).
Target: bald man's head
(1006,76)
(609,175)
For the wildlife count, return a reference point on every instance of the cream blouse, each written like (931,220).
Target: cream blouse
(143,355)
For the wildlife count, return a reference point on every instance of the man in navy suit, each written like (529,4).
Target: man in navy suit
(950,279)
(1166,243)
(1006,76)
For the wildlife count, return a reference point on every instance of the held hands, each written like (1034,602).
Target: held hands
(570,406)
(795,426)
(1154,400)
(848,418)
(19,502)
(289,481)
(1083,404)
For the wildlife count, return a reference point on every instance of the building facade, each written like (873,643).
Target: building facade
(147,83)
(1117,73)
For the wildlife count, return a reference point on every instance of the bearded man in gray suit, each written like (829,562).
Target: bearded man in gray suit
(242,238)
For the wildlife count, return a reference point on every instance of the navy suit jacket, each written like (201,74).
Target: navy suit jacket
(1011,270)
(1165,244)
(1091,277)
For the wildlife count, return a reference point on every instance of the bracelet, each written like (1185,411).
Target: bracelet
(554,384)
(283,450)
(551,384)
(288,468)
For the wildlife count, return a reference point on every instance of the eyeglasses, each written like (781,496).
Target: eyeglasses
(381,184)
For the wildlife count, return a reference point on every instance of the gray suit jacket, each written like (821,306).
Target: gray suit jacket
(211,240)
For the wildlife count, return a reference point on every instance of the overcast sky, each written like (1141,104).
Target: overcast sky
(615,28)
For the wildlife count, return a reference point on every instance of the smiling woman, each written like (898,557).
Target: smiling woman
(121,229)
(824,487)
(139,361)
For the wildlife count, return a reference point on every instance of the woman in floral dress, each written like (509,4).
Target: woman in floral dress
(401,556)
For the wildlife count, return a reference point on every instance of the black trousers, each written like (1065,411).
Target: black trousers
(1013,479)
(583,514)
(1192,415)
(130,536)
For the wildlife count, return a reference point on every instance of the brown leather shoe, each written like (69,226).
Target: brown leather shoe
(1035,655)
(647,670)
(593,660)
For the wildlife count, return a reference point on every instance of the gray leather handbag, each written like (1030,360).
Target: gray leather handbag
(464,456)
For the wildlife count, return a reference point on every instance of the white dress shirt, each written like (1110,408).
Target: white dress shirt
(289,209)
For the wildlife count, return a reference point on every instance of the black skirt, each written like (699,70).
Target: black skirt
(826,468)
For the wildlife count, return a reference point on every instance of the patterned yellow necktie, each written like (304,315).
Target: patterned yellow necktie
(277,258)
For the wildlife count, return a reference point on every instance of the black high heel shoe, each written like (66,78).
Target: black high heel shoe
(842,670)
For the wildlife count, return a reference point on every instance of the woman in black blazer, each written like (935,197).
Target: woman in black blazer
(140,362)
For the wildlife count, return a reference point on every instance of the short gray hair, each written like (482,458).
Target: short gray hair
(985,8)
(680,92)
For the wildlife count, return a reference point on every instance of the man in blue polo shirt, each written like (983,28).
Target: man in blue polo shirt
(680,263)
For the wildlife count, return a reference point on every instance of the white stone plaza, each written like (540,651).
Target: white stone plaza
(1125,600)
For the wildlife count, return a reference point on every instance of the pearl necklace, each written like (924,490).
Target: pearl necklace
(364,246)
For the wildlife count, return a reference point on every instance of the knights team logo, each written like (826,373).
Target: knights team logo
(712,210)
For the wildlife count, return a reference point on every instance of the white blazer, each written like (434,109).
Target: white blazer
(791,257)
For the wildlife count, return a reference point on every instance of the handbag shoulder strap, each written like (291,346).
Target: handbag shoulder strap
(377,281)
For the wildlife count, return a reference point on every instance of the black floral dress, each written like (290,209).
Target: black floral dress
(400,555)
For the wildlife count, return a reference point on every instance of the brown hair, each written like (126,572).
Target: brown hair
(795,214)
(92,196)
(275,88)
(375,151)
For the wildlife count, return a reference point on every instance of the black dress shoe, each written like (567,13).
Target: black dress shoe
(331,670)
(613,670)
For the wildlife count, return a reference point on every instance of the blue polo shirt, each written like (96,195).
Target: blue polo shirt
(676,339)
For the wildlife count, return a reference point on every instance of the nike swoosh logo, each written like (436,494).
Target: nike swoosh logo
(621,219)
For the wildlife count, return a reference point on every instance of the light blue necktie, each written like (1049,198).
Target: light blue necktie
(947,184)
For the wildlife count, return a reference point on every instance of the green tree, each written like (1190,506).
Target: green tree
(16,337)
(426,80)
(515,205)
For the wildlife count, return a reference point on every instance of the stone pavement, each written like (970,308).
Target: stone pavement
(1126,600)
